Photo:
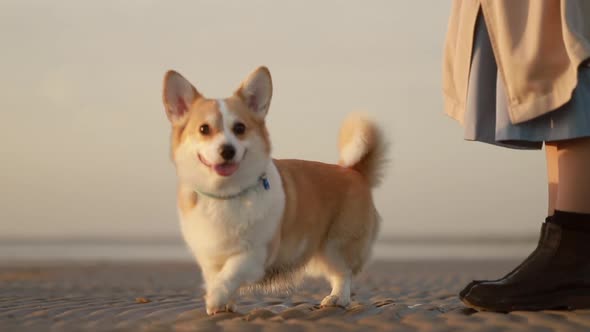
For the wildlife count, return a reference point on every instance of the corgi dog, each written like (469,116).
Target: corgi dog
(253,222)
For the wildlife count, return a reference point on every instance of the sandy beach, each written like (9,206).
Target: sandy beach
(152,296)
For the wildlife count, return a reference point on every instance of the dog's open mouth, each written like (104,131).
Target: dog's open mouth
(226,169)
(223,169)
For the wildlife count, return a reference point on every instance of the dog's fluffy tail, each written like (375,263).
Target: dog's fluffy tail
(363,148)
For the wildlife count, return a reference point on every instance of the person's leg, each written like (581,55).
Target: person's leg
(573,194)
(556,275)
(552,176)
(552,182)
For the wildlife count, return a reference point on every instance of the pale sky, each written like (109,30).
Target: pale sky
(84,137)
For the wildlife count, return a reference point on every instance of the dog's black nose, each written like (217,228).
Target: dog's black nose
(227,151)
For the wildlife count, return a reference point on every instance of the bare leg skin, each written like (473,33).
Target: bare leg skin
(573,194)
(552,176)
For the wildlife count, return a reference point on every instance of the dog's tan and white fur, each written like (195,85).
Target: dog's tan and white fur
(314,218)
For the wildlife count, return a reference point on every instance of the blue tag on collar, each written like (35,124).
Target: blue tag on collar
(265,183)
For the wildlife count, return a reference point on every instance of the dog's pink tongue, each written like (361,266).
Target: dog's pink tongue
(226,169)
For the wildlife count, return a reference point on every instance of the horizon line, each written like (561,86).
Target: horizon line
(432,239)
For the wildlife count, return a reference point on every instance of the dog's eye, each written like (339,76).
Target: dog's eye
(204,129)
(239,128)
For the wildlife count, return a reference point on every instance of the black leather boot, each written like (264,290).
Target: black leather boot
(555,276)
(476,282)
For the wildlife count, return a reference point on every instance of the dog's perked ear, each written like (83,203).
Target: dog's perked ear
(178,96)
(256,91)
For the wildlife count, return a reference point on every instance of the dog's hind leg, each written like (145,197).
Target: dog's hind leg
(345,251)
(340,295)
(332,265)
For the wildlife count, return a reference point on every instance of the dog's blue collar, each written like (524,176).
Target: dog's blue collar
(261,180)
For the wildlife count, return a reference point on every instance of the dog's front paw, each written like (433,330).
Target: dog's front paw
(218,301)
(334,301)
(212,310)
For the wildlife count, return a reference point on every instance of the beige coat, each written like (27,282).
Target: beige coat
(538,46)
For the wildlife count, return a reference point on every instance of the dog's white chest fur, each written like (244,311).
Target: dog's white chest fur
(216,229)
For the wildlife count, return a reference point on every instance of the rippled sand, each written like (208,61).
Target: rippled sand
(400,296)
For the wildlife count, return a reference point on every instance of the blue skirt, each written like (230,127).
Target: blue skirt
(487,119)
